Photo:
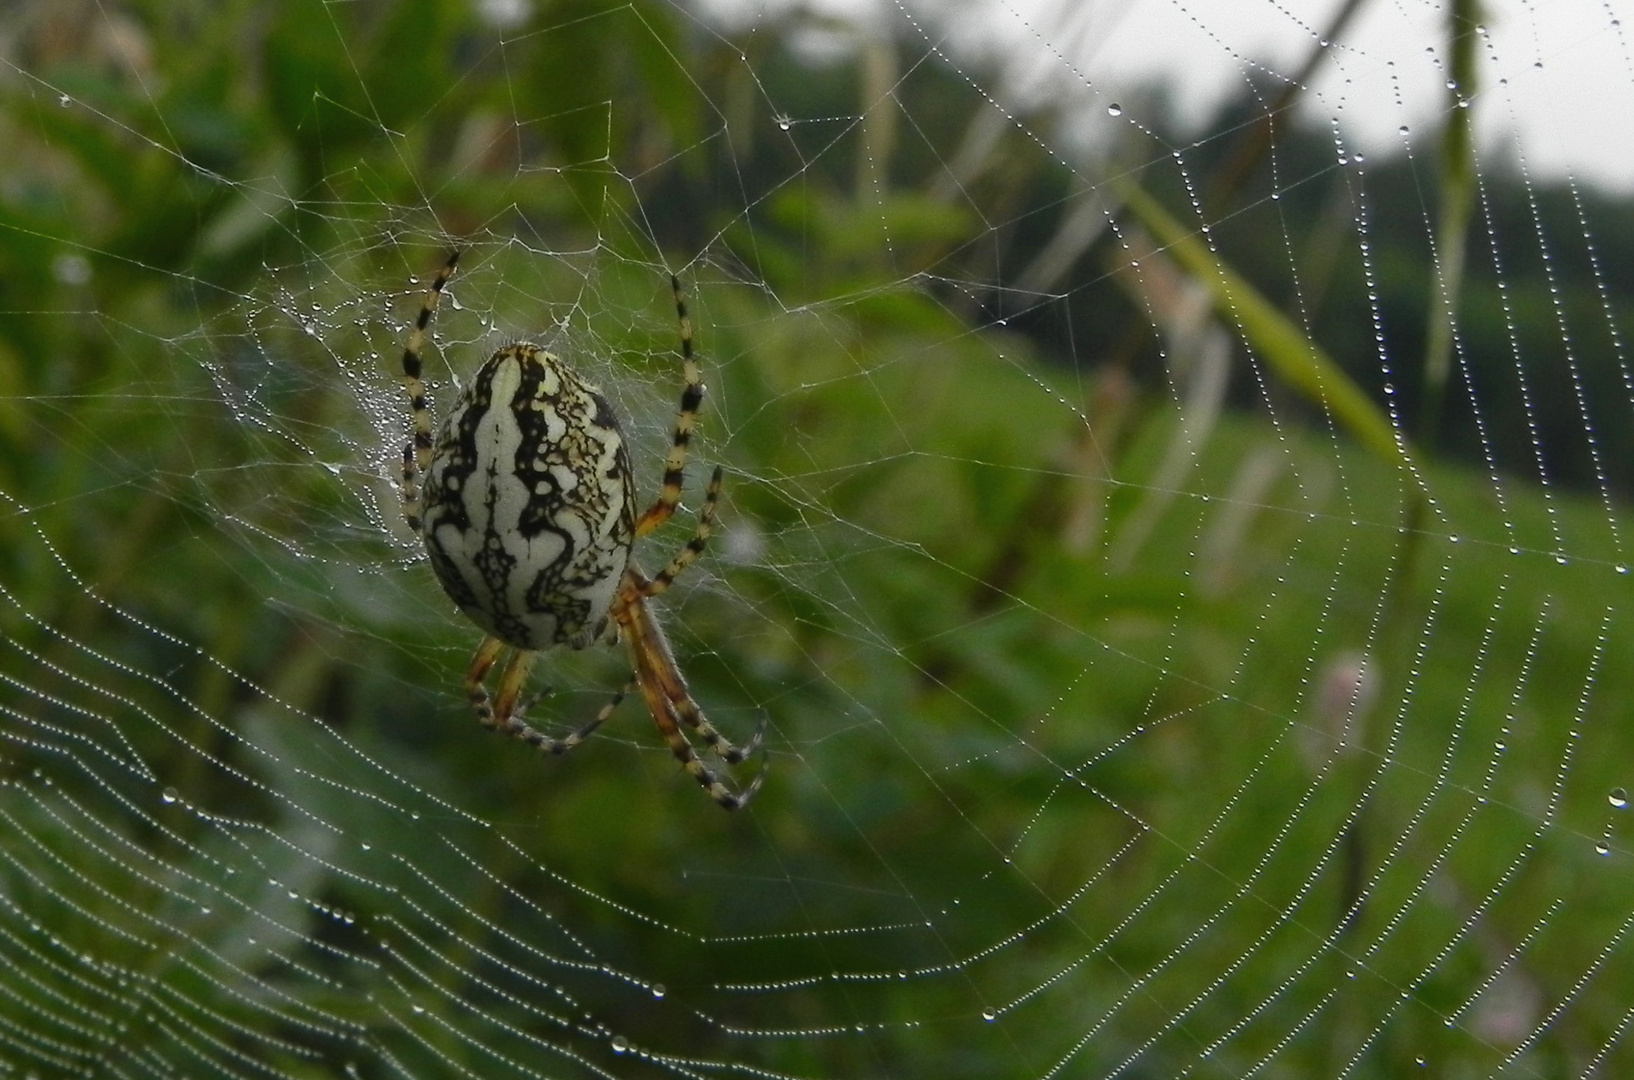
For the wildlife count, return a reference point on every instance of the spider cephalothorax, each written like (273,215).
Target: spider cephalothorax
(526,504)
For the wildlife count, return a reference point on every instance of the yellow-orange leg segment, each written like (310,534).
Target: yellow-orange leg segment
(476,674)
(684,558)
(669,701)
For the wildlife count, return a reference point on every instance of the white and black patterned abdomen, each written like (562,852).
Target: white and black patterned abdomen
(529,509)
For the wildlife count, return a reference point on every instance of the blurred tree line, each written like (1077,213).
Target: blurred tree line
(285,108)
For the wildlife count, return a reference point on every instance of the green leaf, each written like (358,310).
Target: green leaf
(1289,352)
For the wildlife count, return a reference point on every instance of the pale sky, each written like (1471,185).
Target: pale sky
(1556,81)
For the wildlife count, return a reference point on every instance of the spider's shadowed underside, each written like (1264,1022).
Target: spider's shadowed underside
(526,505)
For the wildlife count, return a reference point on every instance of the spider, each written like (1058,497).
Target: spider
(526,505)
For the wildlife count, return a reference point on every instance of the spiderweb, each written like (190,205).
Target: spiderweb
(1174,533)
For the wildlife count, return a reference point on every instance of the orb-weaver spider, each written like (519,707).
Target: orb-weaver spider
(527,509)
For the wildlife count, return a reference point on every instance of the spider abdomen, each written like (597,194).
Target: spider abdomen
(528,504)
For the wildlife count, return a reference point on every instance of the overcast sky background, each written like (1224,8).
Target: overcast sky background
(1556,76)
(1556,80)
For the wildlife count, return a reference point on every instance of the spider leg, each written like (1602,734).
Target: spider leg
(550,744)
(475,691)
(692,396)
(562,746)
(503,712)
(671,705)
(664,715)
(688,712)
(695,547)
(417,452)
(666,674)
(511,678)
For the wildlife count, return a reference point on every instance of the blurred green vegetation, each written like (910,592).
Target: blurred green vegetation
(979,580)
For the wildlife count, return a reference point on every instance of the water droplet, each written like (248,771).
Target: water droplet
(658,990)
(1114,109)
(1618,798)
(620,1044)
(1602,848)
(64,100)
(169,795)
(1403,130)
(784,123)
(990,1015)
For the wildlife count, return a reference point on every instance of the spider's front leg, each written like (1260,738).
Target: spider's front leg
(686,418)
(417,451)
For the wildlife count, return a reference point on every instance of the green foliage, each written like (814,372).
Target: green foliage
(932,492)
(1289,353)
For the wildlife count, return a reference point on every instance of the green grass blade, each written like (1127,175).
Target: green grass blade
(1285,348)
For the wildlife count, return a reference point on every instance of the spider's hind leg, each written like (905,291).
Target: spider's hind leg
(691,715)
(666,717)
(562,746)
(506,710)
